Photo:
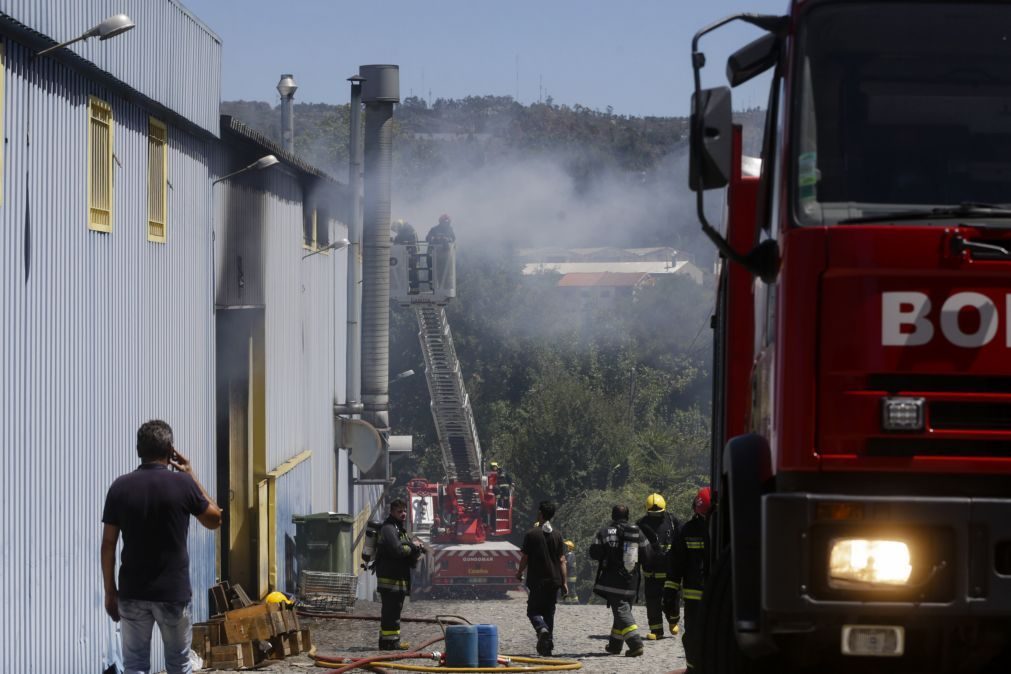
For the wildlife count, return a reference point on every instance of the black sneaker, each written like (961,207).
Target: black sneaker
(544,643)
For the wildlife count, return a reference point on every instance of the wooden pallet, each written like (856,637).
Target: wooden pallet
(246,636)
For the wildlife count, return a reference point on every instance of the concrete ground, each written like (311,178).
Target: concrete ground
(580,634)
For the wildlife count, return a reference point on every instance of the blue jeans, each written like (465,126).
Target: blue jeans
(137,617)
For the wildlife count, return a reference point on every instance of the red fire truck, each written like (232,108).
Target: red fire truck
(465,518)
(862,401)
(464,525)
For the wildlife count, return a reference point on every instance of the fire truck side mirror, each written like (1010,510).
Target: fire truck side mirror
(711,140)
(753,59)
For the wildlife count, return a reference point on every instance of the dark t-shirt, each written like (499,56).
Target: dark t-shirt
(544,552)
(152,508)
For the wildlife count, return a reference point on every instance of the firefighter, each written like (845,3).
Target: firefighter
(570,564)
(404,233)
(618,547)
(543,560)
(442,232)
(396,555)
(689,566)
(661,594)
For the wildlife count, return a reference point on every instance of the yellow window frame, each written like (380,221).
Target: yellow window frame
(157,181)
(100,196)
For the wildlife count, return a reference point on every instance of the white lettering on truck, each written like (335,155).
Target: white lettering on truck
(905,322)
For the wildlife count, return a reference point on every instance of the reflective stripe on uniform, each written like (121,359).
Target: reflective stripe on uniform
(691,594)
(391,584)
(622,633)
(622,591)
(659,575)
(671,585)
(657,626)
(695,545)
(389,633)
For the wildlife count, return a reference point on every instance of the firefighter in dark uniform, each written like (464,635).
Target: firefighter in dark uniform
(662,600)
(690,567)
(618,547)
(396,555)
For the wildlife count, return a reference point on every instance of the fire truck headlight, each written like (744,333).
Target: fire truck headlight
(902,414)
(863,562)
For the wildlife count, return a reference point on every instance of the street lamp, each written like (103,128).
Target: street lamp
(111,27)
(336,245)
(403,375)
(258,165)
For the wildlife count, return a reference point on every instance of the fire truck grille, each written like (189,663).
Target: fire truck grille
(970,416)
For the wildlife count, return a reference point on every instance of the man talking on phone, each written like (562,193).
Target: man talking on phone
(151,507)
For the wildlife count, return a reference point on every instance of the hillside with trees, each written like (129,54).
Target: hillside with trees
(585,404)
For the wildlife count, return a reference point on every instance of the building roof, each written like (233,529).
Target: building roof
(601,280)
(597,253)
(647,267)
(231,125)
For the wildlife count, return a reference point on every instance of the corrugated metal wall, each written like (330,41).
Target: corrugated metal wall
(108,330)
(170,56)
(260,219)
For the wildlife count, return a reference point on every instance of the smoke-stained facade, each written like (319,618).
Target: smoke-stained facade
(280,299)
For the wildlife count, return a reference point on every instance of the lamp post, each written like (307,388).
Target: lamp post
(258,165)
(286,87)
(336,245)
(110,27)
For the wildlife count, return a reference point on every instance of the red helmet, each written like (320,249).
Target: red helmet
(703,501)
(444,219)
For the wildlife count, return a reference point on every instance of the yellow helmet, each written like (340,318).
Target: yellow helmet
(655,503)
(494,465)
(570,545)
(278,598)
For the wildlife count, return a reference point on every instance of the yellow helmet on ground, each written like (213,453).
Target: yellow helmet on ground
(570,545)
(655,503)
(278,598)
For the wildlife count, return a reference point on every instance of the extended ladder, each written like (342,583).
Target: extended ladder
(451,411)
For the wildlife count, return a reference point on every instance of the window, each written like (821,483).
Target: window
(157,180)
(99,165)
(309,241)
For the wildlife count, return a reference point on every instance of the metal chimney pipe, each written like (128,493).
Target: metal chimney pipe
(380,91)
(286,87)
(353,381)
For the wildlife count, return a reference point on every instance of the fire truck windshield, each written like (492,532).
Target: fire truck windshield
(902,109)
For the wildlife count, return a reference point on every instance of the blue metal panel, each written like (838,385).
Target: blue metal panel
(100,333)
(170,56)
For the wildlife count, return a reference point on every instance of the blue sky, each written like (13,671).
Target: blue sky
(631,55)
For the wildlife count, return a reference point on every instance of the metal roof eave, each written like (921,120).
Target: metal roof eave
(37,41)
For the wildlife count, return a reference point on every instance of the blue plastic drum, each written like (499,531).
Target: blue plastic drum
(461,646)
(487,645)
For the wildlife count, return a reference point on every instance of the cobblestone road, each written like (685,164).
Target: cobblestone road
(580,633)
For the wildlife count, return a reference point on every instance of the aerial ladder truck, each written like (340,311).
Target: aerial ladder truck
(464,518)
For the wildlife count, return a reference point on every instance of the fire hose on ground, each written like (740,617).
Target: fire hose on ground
(384,662)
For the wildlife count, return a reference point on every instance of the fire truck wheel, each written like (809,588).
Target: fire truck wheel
(718,650)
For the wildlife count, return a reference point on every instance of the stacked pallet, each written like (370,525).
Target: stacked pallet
(244,637)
